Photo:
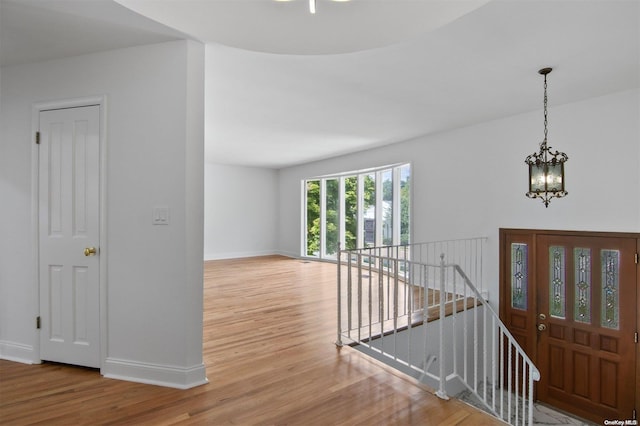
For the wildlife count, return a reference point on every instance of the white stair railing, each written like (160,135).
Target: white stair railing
(427,318)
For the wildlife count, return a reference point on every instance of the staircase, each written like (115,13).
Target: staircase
(421,308)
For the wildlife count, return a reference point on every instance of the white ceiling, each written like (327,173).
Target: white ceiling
(427,65)
(37,30)
(288,27)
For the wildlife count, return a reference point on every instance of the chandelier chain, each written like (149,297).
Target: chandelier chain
(545,110)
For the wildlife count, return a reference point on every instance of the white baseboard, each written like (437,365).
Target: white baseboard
(154,374)
(239,255)
(288,254)
(18,352)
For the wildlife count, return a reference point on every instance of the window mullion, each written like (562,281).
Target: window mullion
(304,230)
(360,238)
(396,206)
(323,218)
(342,218)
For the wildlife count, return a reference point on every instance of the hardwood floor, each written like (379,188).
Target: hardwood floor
(269,328)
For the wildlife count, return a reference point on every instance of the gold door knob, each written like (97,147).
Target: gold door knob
(90,251)
(542,327)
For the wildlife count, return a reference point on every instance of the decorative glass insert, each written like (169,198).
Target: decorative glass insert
(519,276)
(610,261)
(582,274)
(557,287)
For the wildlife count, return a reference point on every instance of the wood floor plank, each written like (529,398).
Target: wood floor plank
(269,328)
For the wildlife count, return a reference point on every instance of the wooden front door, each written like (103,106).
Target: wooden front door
(571,300)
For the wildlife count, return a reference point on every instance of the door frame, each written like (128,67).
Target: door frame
(101,101)
(503,274)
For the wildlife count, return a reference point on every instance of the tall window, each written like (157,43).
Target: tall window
(350,212)
(387,207)
(313,217)
(332,218)
(369,210)
(405,202)
(357,209)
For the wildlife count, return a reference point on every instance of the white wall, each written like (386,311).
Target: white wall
(241,205)
(464,333)
(471,181)
(155,114)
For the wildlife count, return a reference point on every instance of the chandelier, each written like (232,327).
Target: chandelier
(546,167)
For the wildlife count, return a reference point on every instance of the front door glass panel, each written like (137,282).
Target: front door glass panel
(582,275)
(557,289)
(610,262)
(519,276)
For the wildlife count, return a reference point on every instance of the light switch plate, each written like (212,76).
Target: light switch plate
(160,215)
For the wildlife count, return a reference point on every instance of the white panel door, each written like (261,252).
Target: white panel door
(69,223)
